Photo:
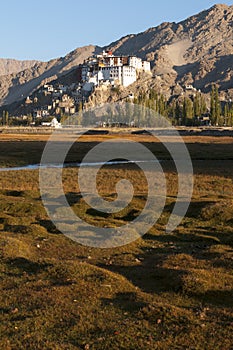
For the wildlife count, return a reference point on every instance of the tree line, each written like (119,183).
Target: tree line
(189,110)
(180,110)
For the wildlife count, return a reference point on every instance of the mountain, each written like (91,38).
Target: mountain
(8,66)
(16,86)
(198,51)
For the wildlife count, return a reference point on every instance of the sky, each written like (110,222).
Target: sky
(47,29)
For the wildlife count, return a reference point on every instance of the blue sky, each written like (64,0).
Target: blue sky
(47,29)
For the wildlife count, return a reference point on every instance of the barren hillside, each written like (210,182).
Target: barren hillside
(16,86)
(198,50)
(9,66)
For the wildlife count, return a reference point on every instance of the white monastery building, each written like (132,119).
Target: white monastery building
(115,70)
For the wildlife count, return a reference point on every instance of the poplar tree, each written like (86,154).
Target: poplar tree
(6,118)
(3,118)
(215,106)
(212,105)
(187,111)
(197,105)
(203,107)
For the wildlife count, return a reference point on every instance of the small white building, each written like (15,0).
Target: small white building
(55,124)
(129,75)
(146,66)
(190,87)
(135,62)
(123,75)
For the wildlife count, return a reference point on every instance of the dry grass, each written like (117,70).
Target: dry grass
(163,291)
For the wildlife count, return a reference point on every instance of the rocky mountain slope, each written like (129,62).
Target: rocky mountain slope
(16,86)
(196,51)
(9,66)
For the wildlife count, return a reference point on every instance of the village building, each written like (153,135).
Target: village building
(41,112)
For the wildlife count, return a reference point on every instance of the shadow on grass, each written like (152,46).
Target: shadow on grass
(191,238)
(149,276)
(126,301)
(26,265)
(49,226)
(94,213)
(23,229)
(14,193)
(73,198)
(223,298)
(194,210)
(130,216)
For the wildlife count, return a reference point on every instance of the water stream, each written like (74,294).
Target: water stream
(72,165)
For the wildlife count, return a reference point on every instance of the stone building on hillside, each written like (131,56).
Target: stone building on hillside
(117,70)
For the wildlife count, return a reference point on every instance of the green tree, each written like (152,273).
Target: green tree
(29,118)
(203,107)
(178,112)
(197,105)
(212,105)
(5,118)
(161,105)
(226,114)
(215,106)
(173,110)
(187,111)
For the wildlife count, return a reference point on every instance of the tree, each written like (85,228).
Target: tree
(178,112)
(29,119)
(197,105)
(203,107)
(187,111)
(162,105)
(173,110)
(215,106)
(80,113)
(226,114)
(5,118)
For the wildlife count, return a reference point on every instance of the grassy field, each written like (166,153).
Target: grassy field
(163,291)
